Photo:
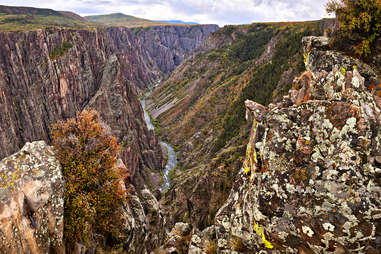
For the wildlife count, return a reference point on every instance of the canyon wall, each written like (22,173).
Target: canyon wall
(49,75)
(200,110)
(170,45)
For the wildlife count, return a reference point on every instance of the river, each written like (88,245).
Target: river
(172,159)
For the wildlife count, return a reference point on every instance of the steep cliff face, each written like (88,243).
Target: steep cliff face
(48,75)
(310,182)
(170,45)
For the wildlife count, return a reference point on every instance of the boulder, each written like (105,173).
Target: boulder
(31,201)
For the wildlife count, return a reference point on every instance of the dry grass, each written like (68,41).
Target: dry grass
(238,244)
(210,247)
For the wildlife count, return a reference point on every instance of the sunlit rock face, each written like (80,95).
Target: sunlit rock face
(31,201)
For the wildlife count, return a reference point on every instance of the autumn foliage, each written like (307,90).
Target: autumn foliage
(93,191)
(360,24)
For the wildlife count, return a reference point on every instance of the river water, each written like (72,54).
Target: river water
(172,159)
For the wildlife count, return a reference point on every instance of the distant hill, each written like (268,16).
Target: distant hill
(120,19)
(73,15)
(14,18)
(177,22)
(28,10)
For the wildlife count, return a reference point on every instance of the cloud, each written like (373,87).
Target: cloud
(220,12)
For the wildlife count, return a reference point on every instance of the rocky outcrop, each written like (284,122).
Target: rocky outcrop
(311,178)
(32,208)
(172,44)
(31,201)
(143,229)
(200,111)
(320,57)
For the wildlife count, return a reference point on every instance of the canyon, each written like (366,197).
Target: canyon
(255,138)
(50,75)
(38,88)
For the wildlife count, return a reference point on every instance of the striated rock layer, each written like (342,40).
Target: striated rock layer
(172,44)
(46,76)
(49,75)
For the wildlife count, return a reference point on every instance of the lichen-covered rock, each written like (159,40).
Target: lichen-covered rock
(311,179)
(32,208)
(319,57)
(144,223)
(31,201)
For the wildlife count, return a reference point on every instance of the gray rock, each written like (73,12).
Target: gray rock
(308,184)
(183,229)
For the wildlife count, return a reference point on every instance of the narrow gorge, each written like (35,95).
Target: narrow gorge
(121,135)
(171,158)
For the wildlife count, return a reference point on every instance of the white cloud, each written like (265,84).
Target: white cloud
(221,12)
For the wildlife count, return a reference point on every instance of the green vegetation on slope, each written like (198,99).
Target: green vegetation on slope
(203,112)
(360,24)
(264,81)
(120,19)
(27,18)
(60,50)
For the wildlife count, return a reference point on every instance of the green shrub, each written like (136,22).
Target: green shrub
(60,50)
(93,188)
(360,23)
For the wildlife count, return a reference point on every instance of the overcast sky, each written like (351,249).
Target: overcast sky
(219,12)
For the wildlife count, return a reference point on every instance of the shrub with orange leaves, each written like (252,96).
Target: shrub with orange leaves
(88,155)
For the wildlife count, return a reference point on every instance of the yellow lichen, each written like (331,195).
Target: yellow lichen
(343,71)
(260,232)
(305,58)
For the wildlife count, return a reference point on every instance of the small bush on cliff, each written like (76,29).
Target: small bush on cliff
(60,50)
(93,192)
(360,24)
